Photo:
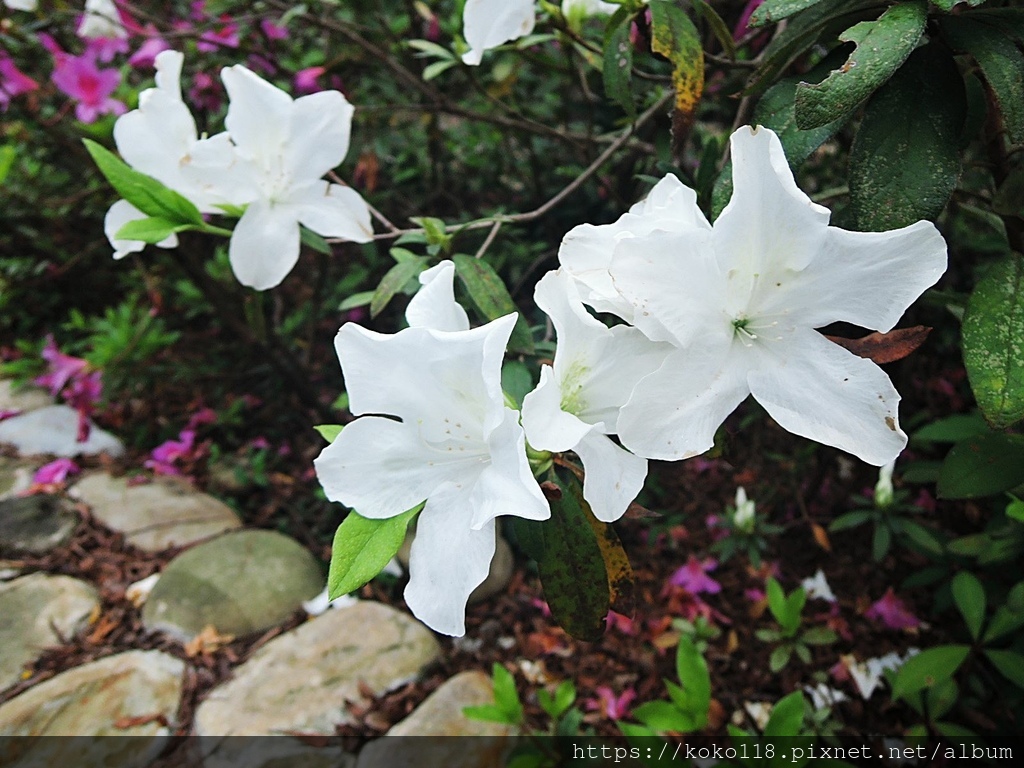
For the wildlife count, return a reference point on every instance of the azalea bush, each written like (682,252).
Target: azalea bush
(615,223)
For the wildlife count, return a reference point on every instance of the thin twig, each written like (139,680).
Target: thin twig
(490,239)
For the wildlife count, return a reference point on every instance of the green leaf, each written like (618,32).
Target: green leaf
(662,717)
(437,68)
(1008,617)
(774,11)
(849,520)
(905,159)
(568,557)
(819,636)
(505,694)
(516,380)
(144,192)
(1001,63)
(313,241)
(7,155)
(393,281)
(992,330)
(329,431)
(488,713)
(692,671)
(675,37)
(928,668)
(360,299)
(149,230)
(718,26)
(882,46)
(969,596)
(982,466)
(617,67)
(881,541)
(1010,665)
(555,706)
(780,657)
(492,297)
(952,429)
(362,547)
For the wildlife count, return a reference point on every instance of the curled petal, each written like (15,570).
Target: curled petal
(817,389)
(487,24)
(613,476)
(434,304)
(332,210)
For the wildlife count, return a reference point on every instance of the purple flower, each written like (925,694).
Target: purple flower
(13,82)
(6,413)
(104,49)
(81,79)
(205,92)
(63,368)
(273,31)
(163,457)
(892,612)
(693,577)
(145,55)
(215,39)
(608,704)
(55,472)
(742,25)
(306,80)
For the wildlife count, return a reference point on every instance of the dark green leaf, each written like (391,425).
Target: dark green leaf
(881,541)
(393,281)
(1009,664)
(819,636)
(952,429)
(718,26)
(516,380)
(921,536)
(329,431)
(312,240)
(774,11)
(674,36)
(361,549)
(144,192)
(849,520)
(617,68)
(969,546)
(969,596)
(1009,616)
(692,671)
(787,717)
(992,331)
(780,657)
(982,466)
(662,717)
(882,46)
(149,230)
(492,297)
(1001,63)
(905,159)
(928,668)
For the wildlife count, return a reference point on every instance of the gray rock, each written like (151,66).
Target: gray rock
(135,693)
(156,515)
(300,680)
(240,583)
(22,399)
(441,715)
(54,429)
(15,477)
(38,611)
(278,752)
(35,523)
(502,566)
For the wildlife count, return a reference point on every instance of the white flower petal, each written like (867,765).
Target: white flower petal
(815,388)
(866,278)
(119,214)
(318,134)
(101,20)
(213,173)
(507,486)
(675,411)
(259,114)
(448,560)
(487,24)
(381,468)
(332,210)
(613,476)
(434,304)
(769,225)
(548,427)
(264,246)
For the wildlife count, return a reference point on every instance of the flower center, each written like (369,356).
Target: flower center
(741,328)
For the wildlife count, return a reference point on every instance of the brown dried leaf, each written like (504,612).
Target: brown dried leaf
(885,347)
(123,723)
(821,536)
(207,641)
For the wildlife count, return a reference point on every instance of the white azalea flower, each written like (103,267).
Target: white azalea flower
(21,5)
(119,214)
(457,446)
(868,675)
(746,509)
(817,587)
(576,405)
(585,8)
(287,147)
(101,20)
(741,302)
(487,24)
(823,696)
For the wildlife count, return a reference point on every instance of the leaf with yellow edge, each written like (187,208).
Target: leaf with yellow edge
(616,563)
(675,37)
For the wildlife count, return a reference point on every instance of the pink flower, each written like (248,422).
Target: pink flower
(215,39)
(259,444)
(754,595)
(164,456)
(201,417)
(306,80)
(621,622)
(741,26)
(693,576)
(205,92)
(81,79)
(145,56)
(13,82)
(6,413)
(104,49)
(55,472)
(892,612)
(273,31)
(49,43)
(609,705)
(63,368)
(82,394)
(258,63)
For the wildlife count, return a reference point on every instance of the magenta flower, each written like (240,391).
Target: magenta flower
(892,612)
(741,26)
(104,49)
(201,417)
(273,31)
(306,80)
(55,472)
(63,368)
(81,79)
(215,39)
(621,622)
(693,577)
(205,92)
(6,413)
(145,56)
(611,706)
(82,394)
(164,456)
(13,82)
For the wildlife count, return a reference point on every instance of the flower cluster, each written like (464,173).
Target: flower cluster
(710,314)
(73,379)
(269,163)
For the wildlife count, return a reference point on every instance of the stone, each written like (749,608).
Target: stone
(27,398)
(15,477)
(164,513)
(503,565)
(278,752)
(239,583)
(299,682)
(35,523)
(39,611)
(135,693)
(441,715)
(54,429)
